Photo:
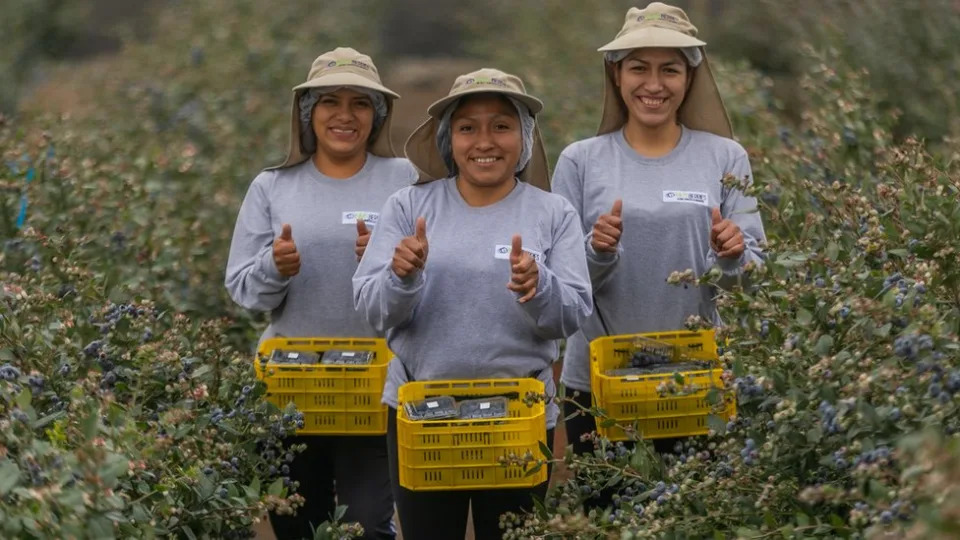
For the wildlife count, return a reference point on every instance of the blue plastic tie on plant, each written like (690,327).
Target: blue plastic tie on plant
(22,216)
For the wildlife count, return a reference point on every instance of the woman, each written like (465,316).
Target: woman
(473,275)
(650,195)
(301,230)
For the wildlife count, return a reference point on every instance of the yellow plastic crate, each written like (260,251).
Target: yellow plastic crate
(462,454)
(633,399)
(334,399)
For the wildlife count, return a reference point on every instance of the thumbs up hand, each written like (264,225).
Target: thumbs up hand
(607,230)
(524,271)
(410,255)
(726,238)
(285,254)
(363,238)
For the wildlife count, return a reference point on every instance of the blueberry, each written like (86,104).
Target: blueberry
(208,471)
(886,516)
(93,348)
(222,493)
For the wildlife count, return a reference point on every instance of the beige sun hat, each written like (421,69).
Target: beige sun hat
(342,66)
(421,147)
(661,25)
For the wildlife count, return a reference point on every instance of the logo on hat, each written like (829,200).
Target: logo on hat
(355,63)
(493,81)
(658,17)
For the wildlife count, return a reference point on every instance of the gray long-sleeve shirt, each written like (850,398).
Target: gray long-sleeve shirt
(666,215)
(322,212)
(456,319)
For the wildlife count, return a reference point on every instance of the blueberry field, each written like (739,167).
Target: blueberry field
(129,406)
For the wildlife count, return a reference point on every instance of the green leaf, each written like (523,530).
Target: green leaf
(100,527)
(43,422)
(276,488)
(814,434)
(824,345)
(201,371)
(804,317)
(609,422)
(188,532)
(533,470)
(253,490)
(23,398)
(114,466)
(9,476)
(546,450)
(716,423)
(833,251)
(339,512)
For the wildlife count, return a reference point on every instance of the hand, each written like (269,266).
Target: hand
(524,271)
(410,255)
(726,238)
(607,230)
(285,254)
(363,238)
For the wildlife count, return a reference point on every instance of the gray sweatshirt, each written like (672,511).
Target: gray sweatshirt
(456,319)
(322,212)
(666,227)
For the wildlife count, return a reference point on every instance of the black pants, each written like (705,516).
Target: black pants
(442,515)
(349,470)
(586,423)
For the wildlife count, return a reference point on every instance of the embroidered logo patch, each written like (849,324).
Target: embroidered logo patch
(503,252)
(695,197)
(370,218)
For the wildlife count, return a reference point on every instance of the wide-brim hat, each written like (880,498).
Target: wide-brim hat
(341,67)
(662,25)
(421,147)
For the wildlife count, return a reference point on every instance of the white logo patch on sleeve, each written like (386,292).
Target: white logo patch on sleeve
(503,252)
(695,197)
(370,218)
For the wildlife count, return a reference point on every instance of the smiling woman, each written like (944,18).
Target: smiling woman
(486,144)
(650,192)
(342,121)
(301,229)
(474,273)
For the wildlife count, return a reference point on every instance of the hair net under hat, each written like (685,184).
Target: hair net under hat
(445,135)
(692,54)
(310,97)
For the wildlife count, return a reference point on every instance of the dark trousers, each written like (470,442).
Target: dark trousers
(348,470)
(442,515)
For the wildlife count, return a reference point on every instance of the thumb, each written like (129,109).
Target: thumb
(716,216)
(362,227)
(422,230)
(517,247)
(287,232)
(617,208)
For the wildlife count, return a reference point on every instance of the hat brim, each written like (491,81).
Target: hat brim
(652,37)
(438,107)
(702,109)
(421,150)
(381,144)
(345,79)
